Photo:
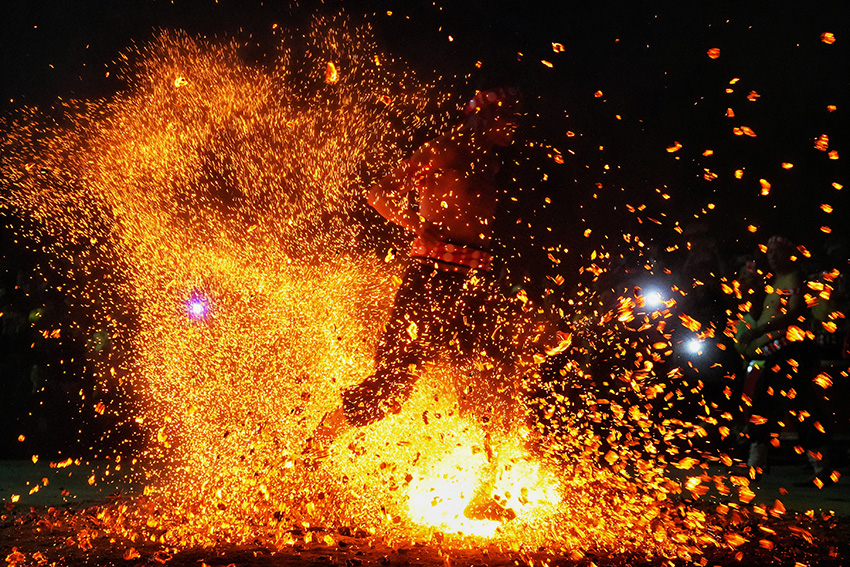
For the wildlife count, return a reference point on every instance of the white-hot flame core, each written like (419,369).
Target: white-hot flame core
(438,496)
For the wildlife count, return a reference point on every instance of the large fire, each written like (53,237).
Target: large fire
(245,288)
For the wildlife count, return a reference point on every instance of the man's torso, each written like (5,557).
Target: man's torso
(457,195)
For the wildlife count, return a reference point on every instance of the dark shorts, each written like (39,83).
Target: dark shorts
(785,392)
(462,316)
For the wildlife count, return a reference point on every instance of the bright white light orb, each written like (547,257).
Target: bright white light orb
(653,299)
(197,308)
(694,346)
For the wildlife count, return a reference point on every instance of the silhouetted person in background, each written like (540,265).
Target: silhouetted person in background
(790,359)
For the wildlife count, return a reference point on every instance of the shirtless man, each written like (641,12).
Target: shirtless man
(448,302)
(790,358)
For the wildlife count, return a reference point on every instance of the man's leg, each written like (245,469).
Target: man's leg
(487,388)
(815,429)
(788,369)
(485,342)
(404,346)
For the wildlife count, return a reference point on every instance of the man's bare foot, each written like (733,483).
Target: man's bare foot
(332,425)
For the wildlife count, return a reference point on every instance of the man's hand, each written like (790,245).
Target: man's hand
(747,337)
(429,232)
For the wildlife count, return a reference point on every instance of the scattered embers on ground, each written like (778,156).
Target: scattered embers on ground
(71,536)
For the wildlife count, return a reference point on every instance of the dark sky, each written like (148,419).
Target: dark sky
(647,58)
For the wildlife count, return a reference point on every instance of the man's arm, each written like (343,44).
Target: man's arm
(390,196)
(794,307)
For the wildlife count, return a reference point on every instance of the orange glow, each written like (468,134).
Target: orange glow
(714,52)
(827,37)
(822,143)
(765,186)
(557,47)
(826,208)
(439,494)
(787,165)
(331,73)
(675,147)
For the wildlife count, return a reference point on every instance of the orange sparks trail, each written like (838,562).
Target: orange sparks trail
(227,198)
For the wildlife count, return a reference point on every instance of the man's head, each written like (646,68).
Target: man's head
(494,113)
(780,252)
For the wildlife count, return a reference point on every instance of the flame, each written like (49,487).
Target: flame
(439,496)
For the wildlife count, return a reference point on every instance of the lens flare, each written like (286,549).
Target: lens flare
(694,346)
(198,308)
